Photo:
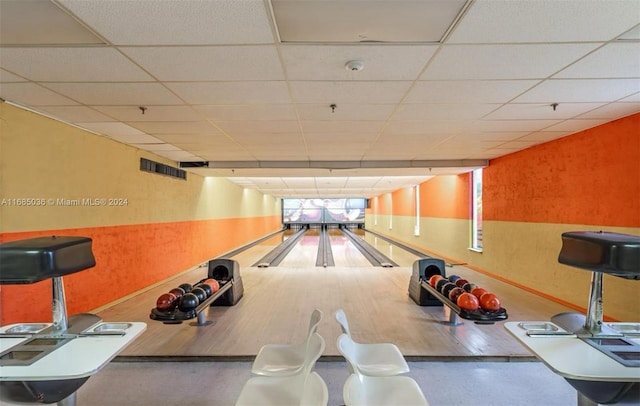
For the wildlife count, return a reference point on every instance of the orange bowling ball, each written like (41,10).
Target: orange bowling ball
(477,292)
(434,279)
(490,302)
(467,301)
(215,285)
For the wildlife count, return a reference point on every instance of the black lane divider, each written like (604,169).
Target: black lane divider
(325,254)
(409,249)
(237,251)
(398,244)
(375,257)
(276,255)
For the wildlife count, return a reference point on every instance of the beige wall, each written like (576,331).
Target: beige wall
(51,161)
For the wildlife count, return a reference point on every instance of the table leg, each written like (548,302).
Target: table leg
(69,400)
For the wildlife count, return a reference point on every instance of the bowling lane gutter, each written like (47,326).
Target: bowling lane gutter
(325,254)
(275,256)
(375,257)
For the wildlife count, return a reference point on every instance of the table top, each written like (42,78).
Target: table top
(570,357)
(81,357)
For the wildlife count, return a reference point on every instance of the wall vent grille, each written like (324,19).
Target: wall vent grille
(162,169)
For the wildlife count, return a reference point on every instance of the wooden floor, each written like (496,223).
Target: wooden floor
(278,302)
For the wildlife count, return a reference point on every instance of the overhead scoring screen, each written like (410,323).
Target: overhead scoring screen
(323,210)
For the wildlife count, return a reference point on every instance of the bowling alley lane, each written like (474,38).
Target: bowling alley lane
(278,301)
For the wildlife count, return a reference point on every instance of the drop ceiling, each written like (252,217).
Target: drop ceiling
(245,87)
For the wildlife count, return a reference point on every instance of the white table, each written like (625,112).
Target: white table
(81,357)
(572,358)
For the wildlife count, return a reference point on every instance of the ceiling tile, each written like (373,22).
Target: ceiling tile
(113,129)
(428,126)
(339,137)
(201,64)
(580,91)
(136,139)
(78,64)
(531,61)
(356,21)
(261,92)
(327,62)
(576,125)
(191,138)
(544,136)
(75,114)
(267,112)
(40,22)
(258,127)
(174,127)
(149,22)
(599,64)
(6,77)
(545,21)
(156,147)
(31,94)
(179,156)
(151,113)
(492,136)
(613,111)
(465,91)
(442,111)
(345,111)
(362,127)
(349,92)
(535,111)
(104,94)
(514,125)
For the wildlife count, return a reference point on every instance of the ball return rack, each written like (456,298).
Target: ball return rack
(600,360)
(48,362)
(227,273)
(425,295)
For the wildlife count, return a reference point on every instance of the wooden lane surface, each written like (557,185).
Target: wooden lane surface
(278,303)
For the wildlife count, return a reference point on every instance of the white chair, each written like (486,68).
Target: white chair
(285,359)
(375,359)
(306,388)
(362,390)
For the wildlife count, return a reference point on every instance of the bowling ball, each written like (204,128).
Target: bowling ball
(179,292)
(461,282)
(467,301)
(206,287)
(440,284)
(186,287)
(489,302)
(454,293)
(215,285)
(477,292)
(448,288)
(166,302)
(434,279)
(200,293)
(453,278)
(188,302)
(469,287)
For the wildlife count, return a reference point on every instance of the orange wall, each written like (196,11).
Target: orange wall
(404,202)
(446,197)
(129,258)
(592,177)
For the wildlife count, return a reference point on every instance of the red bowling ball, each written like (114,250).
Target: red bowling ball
(166,302)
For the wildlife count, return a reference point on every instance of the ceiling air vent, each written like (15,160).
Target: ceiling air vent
(162,169)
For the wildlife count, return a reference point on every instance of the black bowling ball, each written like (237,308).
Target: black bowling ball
(206,287)
(447,288)
(186,287)
(188,302)
(200,293)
